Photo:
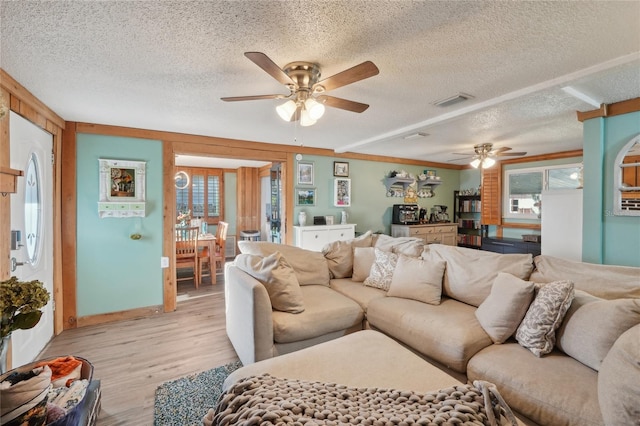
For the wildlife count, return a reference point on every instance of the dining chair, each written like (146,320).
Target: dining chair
(219,253)
(187,251)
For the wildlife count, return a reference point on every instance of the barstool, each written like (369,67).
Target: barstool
(250,235)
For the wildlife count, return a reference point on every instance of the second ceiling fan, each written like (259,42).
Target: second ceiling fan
(484,153)
(306,98)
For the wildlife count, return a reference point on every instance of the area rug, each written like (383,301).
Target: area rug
(185,401)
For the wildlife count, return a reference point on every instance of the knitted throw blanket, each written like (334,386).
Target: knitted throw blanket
(260,400)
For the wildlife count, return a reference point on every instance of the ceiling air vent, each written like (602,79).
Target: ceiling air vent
(415,135)
(460,97)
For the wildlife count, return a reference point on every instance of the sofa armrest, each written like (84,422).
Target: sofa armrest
(248,316)
(619,381)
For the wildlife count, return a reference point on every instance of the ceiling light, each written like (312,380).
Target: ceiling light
(416,135)
(315,108)
(488,162)
(460,97)
(286,110)
(475,163)
(305,119)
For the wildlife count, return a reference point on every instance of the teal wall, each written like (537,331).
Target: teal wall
(370,207)
(470,179)
(115,273)
(607,239)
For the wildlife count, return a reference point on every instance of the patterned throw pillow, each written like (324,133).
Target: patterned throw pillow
(382,270)
(537,332)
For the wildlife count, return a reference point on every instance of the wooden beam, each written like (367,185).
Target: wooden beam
(610,110)
(68,220)
(519,225)
(170,285)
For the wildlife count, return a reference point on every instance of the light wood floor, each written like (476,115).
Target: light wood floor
(132,358)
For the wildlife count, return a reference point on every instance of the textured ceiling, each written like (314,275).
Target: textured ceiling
(164,65)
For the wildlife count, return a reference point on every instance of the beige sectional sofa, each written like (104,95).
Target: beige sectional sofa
(463,317)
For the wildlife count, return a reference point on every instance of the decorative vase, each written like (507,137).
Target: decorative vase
(302,218)
(4,347)
(343,220)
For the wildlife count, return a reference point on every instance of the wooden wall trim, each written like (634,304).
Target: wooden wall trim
(119,316)
(610,110)
(5,201)
(543,157)
(519,225)
(28,102)
(68,220)
(169,288)
(246,149)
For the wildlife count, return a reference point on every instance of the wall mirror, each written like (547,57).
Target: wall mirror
(626,190)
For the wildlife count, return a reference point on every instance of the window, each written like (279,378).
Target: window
(33,210)
(204,196)
(523,188)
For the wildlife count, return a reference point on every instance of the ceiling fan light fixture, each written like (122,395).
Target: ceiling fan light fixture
(314,108)
(287,110)
(475,163)
(488,162)
(305,119)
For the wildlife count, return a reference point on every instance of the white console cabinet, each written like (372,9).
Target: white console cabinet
(315,237)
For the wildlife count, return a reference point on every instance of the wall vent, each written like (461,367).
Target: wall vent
(230,247)
(460,97)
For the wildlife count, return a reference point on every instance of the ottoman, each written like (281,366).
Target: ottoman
(362,359)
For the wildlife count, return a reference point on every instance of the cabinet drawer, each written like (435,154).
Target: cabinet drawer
(341,234)
(433,239)
(418,232)
(445,228)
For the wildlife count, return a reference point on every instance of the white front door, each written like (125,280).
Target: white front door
(32,216)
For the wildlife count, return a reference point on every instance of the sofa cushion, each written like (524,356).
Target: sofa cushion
(417,279)
(363,260)
(359,292)
(310,266)
(619,381)
(537,332)
(326,311)
(409,246)
(592,325)
(278,277)
(448,333)
(501,312)
(470,273)
(554,390)
(339,254)
(605,281)
(382,270)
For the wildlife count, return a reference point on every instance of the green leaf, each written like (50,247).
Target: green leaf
(26,321)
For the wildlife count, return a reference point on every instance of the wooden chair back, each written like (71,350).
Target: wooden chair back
(187,242)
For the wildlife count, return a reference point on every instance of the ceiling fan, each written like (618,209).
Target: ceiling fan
(484,153)
(306,98)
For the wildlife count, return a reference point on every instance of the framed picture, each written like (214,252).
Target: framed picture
(305,173)
(430,174)
(342,192)
(122,188)
(340,169)
(305,196)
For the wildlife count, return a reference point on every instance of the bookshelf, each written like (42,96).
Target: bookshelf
(467,210)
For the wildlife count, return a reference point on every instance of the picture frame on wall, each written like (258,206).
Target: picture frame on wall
(305,173)
(122,188)
(340,169)
(342,192)
(305,196)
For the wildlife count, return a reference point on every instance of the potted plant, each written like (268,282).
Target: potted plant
(20,304)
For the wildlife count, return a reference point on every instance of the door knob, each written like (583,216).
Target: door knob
(15,264)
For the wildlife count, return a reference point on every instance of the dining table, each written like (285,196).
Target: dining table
(209,240)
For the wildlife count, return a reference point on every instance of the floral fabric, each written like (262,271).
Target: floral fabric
(382,270)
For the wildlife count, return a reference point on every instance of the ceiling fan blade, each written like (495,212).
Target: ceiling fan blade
(263,61)
(469,154)
(334,102)
(252,98)
(498,150)
(359,72)
(509,154)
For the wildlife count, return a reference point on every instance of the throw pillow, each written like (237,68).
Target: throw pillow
(339,254)
(470,273)
(538,328)
(417,279)
(363,260)
(278,277)
(501,312)
(592,325)
(409,246)
(310,266)
(382,270)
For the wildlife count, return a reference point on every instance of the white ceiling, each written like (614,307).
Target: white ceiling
(164,65)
